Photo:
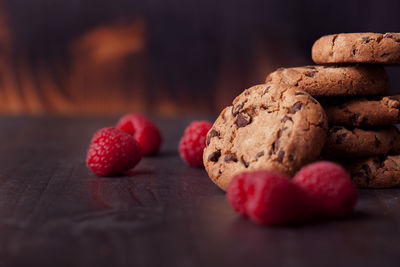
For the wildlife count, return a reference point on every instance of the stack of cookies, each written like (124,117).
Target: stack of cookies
(352,86)
(280,125)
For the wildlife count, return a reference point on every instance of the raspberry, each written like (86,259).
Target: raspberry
(268,197)
(112,152)
(193,143)
(330,188)
(143,130)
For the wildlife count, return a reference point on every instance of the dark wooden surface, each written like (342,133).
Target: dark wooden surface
(54,212)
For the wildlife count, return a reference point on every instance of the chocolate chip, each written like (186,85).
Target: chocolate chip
(280,131)
(243,119)
(267,89)
(377,142)
(252,111)
(260,154)
(377,162)
(388,35)
(275,146)
(335,129)
(380,161)
(279,134)
(214,156)
(355,51)
(299,93)
(246,92)
(286,118)
(367,169)
(281,155)
(296,107)
(340,138)
(246,164)
(230,157)
(236,109)
(291,158)
(355,117)
(213,133)
(365,40)
(310,74)
(313,100)
(264,107)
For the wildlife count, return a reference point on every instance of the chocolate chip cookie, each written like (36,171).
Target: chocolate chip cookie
(355,142)
(365,111)
(375,172)
(334,80)
(357,48)
(268,126)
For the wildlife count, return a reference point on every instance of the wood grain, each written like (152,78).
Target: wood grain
(54,212)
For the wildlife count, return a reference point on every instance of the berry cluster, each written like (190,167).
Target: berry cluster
(115,150)
(321,189)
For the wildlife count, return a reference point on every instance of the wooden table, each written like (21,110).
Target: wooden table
(54,212)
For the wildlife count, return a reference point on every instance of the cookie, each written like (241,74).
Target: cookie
(356,142)
(375,172)
(357,48)
(365,111)
(267,127)
(334,80)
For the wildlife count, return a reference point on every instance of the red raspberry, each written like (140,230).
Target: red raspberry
(193,143)
(330,188)
(268,197)
(143,130)
(112,152)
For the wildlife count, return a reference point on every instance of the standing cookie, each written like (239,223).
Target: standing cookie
(357,48)
(334,80)
(268,126)
(365,111)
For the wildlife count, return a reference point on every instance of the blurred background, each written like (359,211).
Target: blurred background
(162,57)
